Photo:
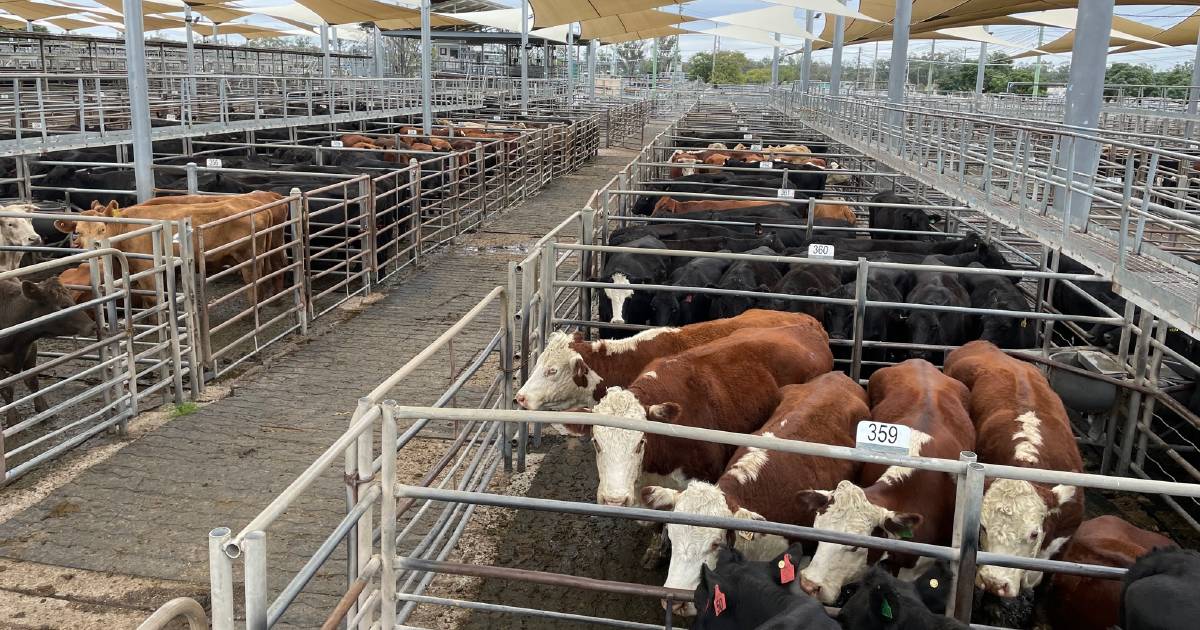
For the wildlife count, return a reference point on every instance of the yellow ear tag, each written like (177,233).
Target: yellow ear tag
(746,535)
(933,583)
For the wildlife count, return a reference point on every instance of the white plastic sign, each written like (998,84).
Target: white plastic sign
(412,132)
(212,163)
(743,129)
(785,193)
(820,250)
(881,437)
(170,116)
(337,144)
(35,125)
(497,117)
(766,164)
(747,136)
(756,147)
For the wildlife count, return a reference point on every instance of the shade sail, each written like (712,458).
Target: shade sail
(975,34)
(71,24)
(503,19)
(1066,43)
(552,33)
(220,15)
(35,11)
(148,6)
(354,11)
(637,21)
(11,22)
(1182,34)
(780,20)
(236,29)
(555,12)
(747,35)
(1065,18)
(830,7)
(665,31)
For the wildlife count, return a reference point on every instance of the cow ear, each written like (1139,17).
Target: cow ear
(902,525)
(666,412)
(1062,494)
(577,337)
(31,290)
(748,515)
(659,498)
(813,501)
(66,227)
(579,370)
(883,604)
(96,206)
(112,209)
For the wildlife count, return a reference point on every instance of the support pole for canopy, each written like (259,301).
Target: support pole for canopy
(591,62)
(188,19)
(980,70)
(806,64)
(775,62)
(29,26)
(654,65)
(524,57)
(570,64)
(139,97)
(835,66)
(932,51)
(379,56)
(1085,98)
(325,59)
(874,65)
(426,70)
(1037,65)
(716,48)
(1194,93)
(897,71)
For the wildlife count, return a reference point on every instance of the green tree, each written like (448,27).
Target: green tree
(731,67)
(630,56)
(1129,74)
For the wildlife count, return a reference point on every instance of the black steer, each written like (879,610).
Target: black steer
(937,328)
(883,602)
(739,595)
(1160,591)
(745,275)
(680,309)
(886,218)
(997,292)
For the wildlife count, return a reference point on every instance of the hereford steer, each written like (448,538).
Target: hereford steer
(571,372)
(16,232)
(906,503)
(760,484)
(1020,421)
(731,384)
(1083,603)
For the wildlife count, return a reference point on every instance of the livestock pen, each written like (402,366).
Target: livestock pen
(400,566)
(345,221)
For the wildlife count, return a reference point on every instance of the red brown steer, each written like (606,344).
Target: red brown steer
(759,484)
(572,372)
(1083,603)
(731,384)
(902,502)
(667,205)
(1020,422)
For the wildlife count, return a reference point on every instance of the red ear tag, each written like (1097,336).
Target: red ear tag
(718,601)
(787,570)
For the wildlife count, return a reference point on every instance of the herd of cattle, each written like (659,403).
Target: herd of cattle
(768,373)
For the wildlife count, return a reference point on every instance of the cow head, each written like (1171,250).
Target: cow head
(619,452)
(693,547)
(560,379)
(18,231)
(50,296)
(846,509)
(1013,522)
(86,233)
(618,297)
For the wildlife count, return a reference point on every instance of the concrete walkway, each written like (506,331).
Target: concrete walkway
(145,511)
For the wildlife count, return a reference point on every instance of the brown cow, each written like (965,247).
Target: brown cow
(731,384)
(901,502)
(571,372)
(760,484)
(667,205)
(1081,603)
(687,160)
(1020,421)
(835,211)
(202,210)
(352,139)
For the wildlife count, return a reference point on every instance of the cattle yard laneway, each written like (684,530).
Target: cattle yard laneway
(144,511)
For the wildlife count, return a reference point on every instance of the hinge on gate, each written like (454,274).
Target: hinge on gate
(352,479)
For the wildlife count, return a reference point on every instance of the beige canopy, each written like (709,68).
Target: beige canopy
(614,25)
(355,11)
(555,12)
(665,31)
(34,11)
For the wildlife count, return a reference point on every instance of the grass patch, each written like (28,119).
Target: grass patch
(185,409)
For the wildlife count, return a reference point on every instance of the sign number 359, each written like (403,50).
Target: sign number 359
(893,439)
(882,433)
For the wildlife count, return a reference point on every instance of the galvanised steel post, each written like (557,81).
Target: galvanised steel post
(1037,65)
(968,547)
(325,60)
(1085,97)
(139,106)
(806,64)
(775,62)
(591,61)
(379,56)
(1193,92)
(835,66)
(426,71)
(571,64)
(220,575)
(524,57)
(897,70)
(716,48)
(932,51)
(188,18)
(980,69)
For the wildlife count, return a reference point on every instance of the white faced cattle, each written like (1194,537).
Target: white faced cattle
(1020,421)
(16,232)
(572,372)
(904,503)
(731,384)
(760,484)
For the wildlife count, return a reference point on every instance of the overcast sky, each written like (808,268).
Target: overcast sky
(1161,16)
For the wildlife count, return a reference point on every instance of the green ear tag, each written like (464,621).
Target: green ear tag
(886,610)
(906,533)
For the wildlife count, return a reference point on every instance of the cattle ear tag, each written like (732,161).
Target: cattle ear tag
(906,533)
(745,535)
(933,583)
(1024,323)
(719,601)
(787,570)
(885,609)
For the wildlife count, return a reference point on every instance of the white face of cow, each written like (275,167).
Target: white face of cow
(554,381)
(847,510)
(1013,522)
(693,547)
(16,232)
(618,297)
(619,452)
